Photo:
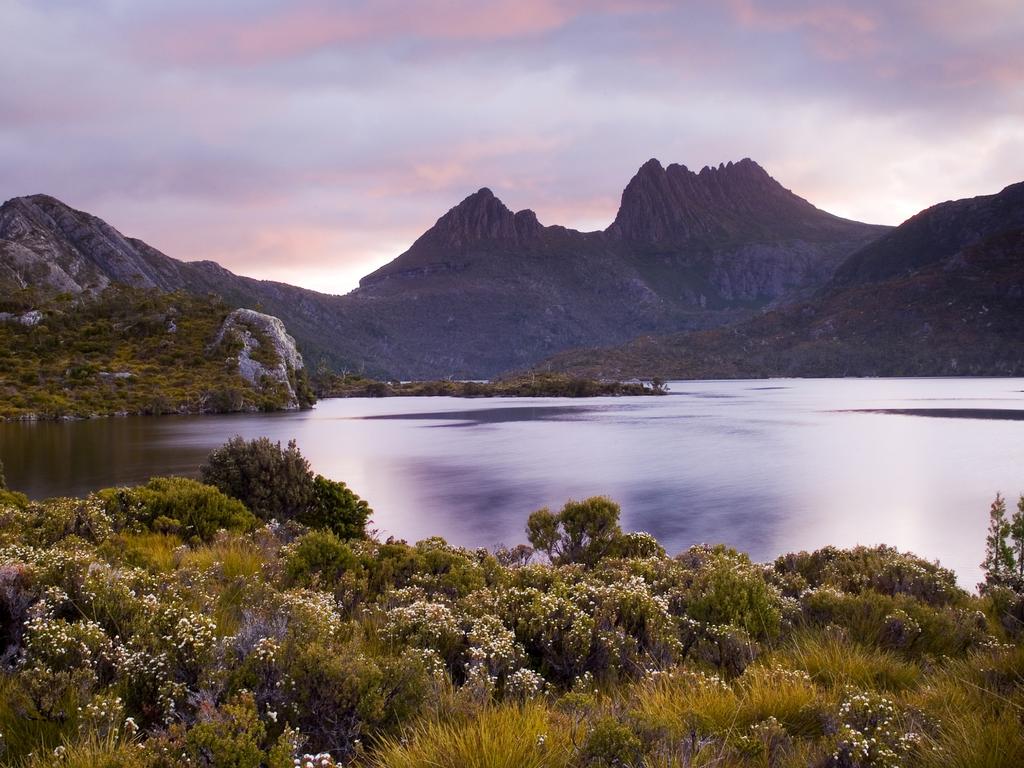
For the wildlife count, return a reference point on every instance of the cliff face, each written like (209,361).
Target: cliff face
(266,353)
(731,202)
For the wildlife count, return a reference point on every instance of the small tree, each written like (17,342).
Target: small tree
(1017,544)
(583,532)
(999,562)
(338,509)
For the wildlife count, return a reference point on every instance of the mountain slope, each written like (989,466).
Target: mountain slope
(943,294)
(932,235)
(486,290)
(140,350)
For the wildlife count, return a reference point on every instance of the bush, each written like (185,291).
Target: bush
(610,743)
(277,484)
(228,737)
(274,483)
(179,505)
(337,509)
(319,556)
(8,497)
(728,589)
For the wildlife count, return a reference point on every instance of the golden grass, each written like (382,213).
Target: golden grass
(505,736)
(835,663)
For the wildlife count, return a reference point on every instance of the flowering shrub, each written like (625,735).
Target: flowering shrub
(881,569)
(726,588)
(157,627)
(870,734)
(178,505)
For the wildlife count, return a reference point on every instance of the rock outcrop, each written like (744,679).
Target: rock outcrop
(267,355)
(735,201)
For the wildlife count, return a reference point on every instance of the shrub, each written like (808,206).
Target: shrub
(320,557)
(179,505)
(728,589)
(274,483)
(881,569)
(610,743)
(230,736)
(277,484)
(8,497)
(337,508)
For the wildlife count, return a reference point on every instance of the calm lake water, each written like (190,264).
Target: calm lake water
(765,466)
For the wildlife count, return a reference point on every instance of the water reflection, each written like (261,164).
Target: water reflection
(764,466)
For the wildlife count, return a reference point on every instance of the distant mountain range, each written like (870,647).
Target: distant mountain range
(486,290)
(942,294)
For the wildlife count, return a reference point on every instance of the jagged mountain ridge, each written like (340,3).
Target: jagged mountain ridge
(487,290)
(940,295)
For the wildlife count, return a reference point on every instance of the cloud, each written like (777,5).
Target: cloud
(317,139)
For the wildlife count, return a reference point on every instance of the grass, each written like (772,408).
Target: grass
(834,663)
(496,737)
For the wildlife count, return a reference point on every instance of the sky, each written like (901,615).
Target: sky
(313,141)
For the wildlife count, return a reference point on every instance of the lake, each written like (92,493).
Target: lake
(767,466)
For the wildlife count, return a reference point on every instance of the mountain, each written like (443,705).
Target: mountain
(485,289)
(942,294)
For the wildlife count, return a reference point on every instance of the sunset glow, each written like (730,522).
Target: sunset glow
(316,140)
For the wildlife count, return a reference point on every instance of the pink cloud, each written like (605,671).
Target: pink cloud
(299,29)
(836,31)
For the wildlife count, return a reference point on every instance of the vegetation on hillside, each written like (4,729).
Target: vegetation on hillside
(529,385)
(959,317)
(170,625)
(127,350)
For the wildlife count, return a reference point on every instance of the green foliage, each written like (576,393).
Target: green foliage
(124,350)
(868,569)
(277,484)
(998,564)
(582,532)
(531,385)
(274,483)
(156,626)
(178,505)
(230,736)
(319,557)
(7,497)
(1004,547)
(337,508)
(728,589)
(610,743)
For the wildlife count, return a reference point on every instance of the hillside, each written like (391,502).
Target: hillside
(486,290)
(943,294)
(133,350)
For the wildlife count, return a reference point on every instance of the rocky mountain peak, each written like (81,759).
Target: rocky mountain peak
(481,222)
(664,205)
(73,250)
(480,217)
